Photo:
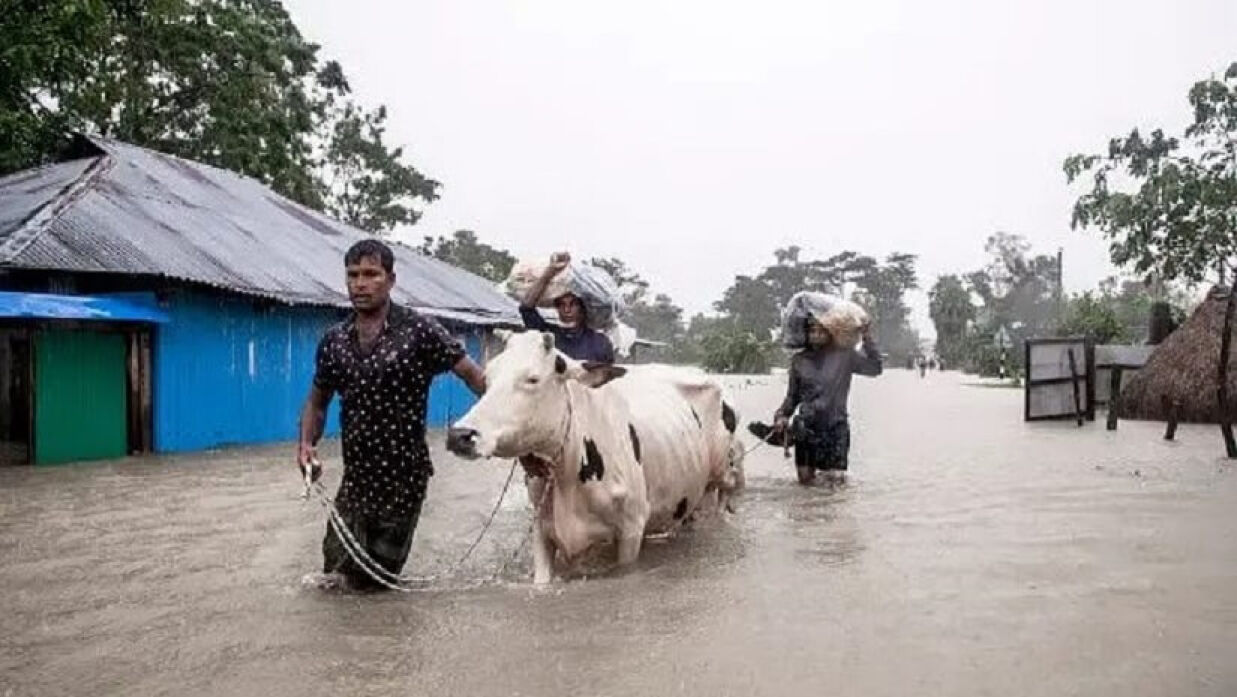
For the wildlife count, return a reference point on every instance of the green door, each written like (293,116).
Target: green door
(79,396)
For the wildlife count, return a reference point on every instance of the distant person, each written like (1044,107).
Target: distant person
(574,338)
(819,387)
(922,364)
(380,361)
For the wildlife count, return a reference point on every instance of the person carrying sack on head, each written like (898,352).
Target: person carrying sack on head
(820,377)
(574,338)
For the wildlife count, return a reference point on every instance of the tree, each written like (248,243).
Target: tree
(1118,310)
(754,303)
(42,45)
(1177,219)
(725,347)
(1016,290)
(630,283)
(1168,205)
(465,251)
(882,289)
(1095,317)
(791,275)
(752,306)
(369,186)
(951,310)
(661,320)
(228,82)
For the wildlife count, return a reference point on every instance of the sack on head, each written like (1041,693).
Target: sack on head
(844,319)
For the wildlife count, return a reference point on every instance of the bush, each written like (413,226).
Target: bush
(728,350)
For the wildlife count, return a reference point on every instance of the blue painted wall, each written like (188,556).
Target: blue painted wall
(228,372)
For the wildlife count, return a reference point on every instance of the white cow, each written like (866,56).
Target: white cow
(629,451)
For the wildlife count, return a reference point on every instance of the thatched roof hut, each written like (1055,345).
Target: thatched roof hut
(1184,369)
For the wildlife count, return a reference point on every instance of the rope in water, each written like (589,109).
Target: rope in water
(380,575)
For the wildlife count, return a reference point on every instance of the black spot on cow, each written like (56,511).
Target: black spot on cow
(680,510)
(635,441)
(728,418)
(560,365)
(697,418)
(591,465)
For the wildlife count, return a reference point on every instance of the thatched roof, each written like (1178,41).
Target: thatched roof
(1184,368)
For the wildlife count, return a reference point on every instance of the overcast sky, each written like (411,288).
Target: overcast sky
(691,138)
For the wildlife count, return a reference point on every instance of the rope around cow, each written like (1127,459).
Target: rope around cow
(412,584)
(385,578)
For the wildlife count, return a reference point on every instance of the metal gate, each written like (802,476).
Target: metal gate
(1060,379)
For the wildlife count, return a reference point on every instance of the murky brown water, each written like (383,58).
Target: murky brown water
(970,554)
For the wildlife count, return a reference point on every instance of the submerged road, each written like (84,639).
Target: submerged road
(969,554)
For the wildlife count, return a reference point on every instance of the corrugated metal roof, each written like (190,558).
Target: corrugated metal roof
(134,211)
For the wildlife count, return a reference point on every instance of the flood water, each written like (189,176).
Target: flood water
(969,554)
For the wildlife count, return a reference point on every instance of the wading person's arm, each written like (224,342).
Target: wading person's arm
(313,422)
(606,348)
(313,413)
(782,415)
(868,360)
(528,307)
(472,375)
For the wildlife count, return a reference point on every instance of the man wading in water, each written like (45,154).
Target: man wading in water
(820,378)
(380,361)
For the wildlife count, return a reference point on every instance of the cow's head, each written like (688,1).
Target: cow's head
(525,407)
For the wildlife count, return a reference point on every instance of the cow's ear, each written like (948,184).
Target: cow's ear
(596,374)
(547,340)
(503,335)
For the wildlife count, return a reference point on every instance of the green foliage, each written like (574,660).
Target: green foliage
(726,347)
(952,313)
(1118,312)
(630,284)
(752,305)
(755,303)
(1168,205)
(1016,290)
(660,320)
(228,82)
(465,251)
(370,187)
(881,290)
(1094,317)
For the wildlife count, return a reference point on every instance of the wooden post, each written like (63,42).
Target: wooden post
(1226,342)
(147,395)
(1171,410)
(1114,396)
(1073,373)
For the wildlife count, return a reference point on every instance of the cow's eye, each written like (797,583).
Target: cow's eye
(533,380)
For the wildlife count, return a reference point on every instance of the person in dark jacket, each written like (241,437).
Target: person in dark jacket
(574,338)
(820,378)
